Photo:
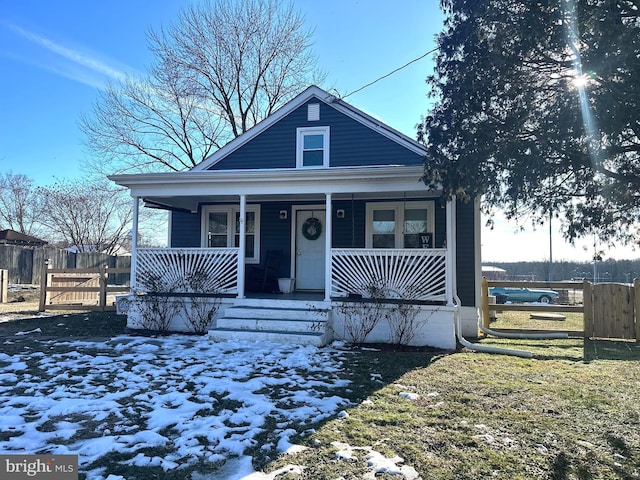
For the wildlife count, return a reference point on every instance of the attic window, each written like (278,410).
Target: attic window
(313,112)
(312,149)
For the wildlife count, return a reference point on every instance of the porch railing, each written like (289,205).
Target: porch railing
(410,274)
(187,270)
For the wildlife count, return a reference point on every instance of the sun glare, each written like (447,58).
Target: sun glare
(580,81)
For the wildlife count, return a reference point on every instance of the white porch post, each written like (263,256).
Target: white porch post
(242,244)
(451,250)
(134,245)
(327,249)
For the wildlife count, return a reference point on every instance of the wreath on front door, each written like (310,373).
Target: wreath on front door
(312,228)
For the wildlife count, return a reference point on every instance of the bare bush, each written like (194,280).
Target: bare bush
(200,310)
(157,308)
(361,317)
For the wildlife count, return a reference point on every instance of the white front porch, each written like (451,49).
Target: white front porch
(423,277)
(420,275)
(383,278)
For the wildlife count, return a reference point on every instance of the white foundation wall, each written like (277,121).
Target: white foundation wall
(435,328)
(178,322)
(435,325)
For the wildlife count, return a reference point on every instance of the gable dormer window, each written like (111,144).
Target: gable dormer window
(312,149)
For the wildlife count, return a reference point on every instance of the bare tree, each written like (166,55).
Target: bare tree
(20,205)
(222,67)
(86,214)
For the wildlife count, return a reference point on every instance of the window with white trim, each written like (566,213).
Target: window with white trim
(221,229)
(400,224)
(312,147)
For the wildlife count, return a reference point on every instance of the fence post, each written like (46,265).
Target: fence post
(44,283)
(486,321)
(102,299)
(587,302)
(4,281)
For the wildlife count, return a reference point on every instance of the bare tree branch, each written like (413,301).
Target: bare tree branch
(219,69)
(20,206)
(91,216)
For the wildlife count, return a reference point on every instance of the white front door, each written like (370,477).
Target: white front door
(310,249)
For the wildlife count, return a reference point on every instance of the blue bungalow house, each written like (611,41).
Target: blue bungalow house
(312,226)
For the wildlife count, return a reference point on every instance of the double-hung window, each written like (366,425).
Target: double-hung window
(312,147)
(402,224)
(221,228)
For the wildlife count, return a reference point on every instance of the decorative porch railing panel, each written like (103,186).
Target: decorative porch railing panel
(410,274)
(187,270)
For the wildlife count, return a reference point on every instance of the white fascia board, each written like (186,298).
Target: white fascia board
(275,182)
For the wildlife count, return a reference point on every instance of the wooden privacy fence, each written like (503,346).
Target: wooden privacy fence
(24,263)
(610,310)
(79,288)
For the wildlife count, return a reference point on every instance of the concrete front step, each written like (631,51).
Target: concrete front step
(299,314)
(284,321)
(273,324)
(297,338)
(282,303)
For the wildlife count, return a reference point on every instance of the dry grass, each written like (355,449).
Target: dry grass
(523,320)
(24,303)
(21,303)
(569,413)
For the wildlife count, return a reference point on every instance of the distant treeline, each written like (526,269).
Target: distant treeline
(620,271)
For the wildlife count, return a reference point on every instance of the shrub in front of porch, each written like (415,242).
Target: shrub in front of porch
(184,304)
(423,325)
(379,313)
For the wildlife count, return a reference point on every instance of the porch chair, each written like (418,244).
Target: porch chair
(265,278)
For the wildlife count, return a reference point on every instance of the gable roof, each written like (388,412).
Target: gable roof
(310,93)
(17,238)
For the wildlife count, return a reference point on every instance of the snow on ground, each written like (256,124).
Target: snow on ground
(187,398)
(376,462)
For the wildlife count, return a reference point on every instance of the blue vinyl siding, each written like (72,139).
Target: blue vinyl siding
(275,234)
(465,258)
(349,232)
(185,229)
(351,144)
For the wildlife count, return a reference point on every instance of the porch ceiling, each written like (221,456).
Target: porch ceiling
(186,190)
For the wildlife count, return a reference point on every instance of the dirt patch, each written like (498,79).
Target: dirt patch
(23,301)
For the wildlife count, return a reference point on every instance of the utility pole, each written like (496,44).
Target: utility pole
(595,260)
(550,250)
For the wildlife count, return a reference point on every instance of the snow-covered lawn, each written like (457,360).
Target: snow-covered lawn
(173,402)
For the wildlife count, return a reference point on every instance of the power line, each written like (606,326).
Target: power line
(392,72)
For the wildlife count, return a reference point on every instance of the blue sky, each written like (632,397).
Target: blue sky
(56,55)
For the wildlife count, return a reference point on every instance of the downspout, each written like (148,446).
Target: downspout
(452,247)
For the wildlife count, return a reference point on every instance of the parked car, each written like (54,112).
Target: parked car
(518,295)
